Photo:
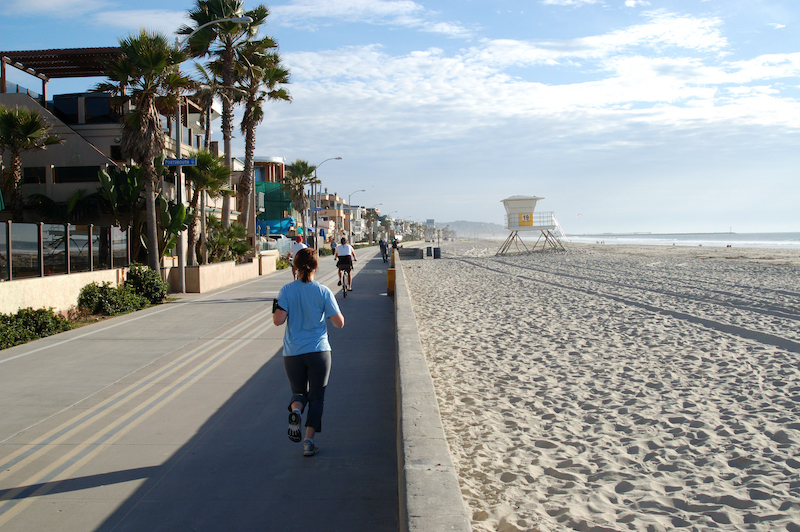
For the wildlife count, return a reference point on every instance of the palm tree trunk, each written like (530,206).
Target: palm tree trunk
(227,125)
(207,140)
(246,185)
(191,233)
(17,203)
(150,208)
(203,248)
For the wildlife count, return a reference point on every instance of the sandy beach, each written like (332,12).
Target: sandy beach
(617,387)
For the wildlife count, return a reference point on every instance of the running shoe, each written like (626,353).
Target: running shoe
(310,448)
(294,427)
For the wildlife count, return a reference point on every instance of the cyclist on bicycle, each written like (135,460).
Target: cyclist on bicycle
(345,255)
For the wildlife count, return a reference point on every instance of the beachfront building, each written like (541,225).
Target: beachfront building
(332,214)
(88,123)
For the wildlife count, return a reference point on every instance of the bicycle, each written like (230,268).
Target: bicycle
(345,282)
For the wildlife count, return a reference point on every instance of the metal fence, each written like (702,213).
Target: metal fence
(39,249)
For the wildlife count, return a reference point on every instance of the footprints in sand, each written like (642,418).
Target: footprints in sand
(566,411)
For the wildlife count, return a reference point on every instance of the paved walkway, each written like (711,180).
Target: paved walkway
(174,418)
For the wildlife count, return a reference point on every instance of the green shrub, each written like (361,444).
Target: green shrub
(29,324)
(324,251)
(110,301)
(282,264)
(90,296)
(147,283)
(121,301)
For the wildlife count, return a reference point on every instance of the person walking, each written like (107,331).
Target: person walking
(297,246)
(384,250)
(303,305)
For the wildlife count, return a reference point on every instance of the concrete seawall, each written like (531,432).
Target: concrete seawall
(430,496)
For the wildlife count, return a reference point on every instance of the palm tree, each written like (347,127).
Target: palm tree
(220,40)
(21,130)
(298,175)
(122,188)
(258,76)
(210,177)
(147,76)
(370,217)
(208,87)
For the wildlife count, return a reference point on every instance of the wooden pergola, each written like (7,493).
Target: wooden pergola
(59,63)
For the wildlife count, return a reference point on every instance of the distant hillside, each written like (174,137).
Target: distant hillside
(466,229)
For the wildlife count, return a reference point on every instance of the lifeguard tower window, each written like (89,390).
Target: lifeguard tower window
(33,175)
(76,174)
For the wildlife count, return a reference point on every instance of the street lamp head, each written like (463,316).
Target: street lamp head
(241,20)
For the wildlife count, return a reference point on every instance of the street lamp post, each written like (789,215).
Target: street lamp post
(179,184)
(315,195)
(350,214)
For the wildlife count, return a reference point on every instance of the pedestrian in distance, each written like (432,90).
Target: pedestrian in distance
(304,305)
(384,250)
(297,246)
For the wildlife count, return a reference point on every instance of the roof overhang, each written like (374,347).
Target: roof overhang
(62,63)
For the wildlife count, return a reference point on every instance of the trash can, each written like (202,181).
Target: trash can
(430,251)
(437,253)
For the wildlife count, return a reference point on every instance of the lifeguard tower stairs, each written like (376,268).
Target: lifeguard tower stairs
(520,217)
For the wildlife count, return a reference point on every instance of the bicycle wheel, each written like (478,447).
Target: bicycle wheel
(345,282)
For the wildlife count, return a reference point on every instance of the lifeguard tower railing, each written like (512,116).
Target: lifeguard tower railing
(550,232)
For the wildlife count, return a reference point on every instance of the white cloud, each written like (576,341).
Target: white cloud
(570,2)
(164,21)
(634,3)
(53,8)
(304,11)
(402,13)
(777,26)
(662,31)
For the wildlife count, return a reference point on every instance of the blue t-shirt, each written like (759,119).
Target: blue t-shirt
(307,306)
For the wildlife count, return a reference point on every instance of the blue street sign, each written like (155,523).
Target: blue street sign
(315,209)
(180,162)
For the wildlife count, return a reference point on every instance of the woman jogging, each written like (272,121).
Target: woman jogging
(304,305)
(345,256)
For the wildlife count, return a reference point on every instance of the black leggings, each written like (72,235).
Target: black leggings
(308,376)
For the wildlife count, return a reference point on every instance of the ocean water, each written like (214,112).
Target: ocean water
(747,240)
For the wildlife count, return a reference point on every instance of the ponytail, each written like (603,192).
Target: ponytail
(306,262)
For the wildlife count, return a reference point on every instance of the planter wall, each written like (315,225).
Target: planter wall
(57,291)
(208,277)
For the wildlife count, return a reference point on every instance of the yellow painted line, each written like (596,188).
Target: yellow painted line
(163,399)
(98,412)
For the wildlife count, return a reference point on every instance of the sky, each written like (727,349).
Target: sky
(624,115)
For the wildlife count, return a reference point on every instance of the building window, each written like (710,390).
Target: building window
(99,111)
(75,174)
(66,108)
(260,174)
(33,175)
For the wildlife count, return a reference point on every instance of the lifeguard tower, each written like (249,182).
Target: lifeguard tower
(520,217)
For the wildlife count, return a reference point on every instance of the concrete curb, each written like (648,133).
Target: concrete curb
(430,497)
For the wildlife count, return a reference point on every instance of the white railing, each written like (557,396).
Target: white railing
(541,220)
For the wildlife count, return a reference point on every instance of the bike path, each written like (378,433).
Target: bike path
(174,418)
